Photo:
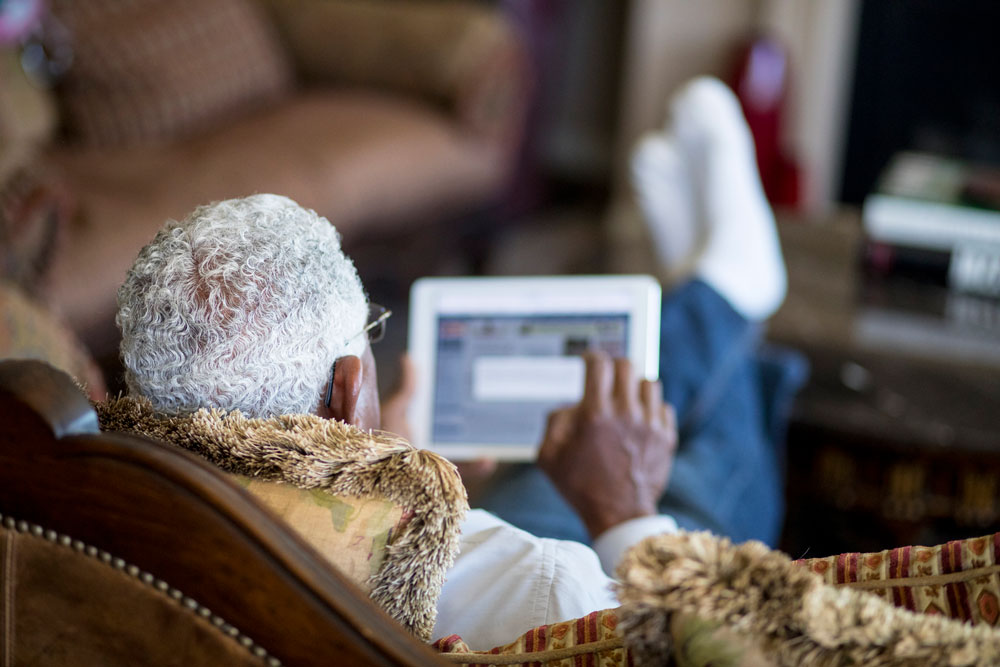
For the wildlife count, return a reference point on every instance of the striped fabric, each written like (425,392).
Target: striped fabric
(153,70)
(590,641)
(959,579)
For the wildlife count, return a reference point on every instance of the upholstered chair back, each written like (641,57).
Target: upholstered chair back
(121,550)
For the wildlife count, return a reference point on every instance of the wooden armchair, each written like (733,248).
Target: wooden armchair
(119,550)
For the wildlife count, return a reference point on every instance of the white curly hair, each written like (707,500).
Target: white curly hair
(243,305)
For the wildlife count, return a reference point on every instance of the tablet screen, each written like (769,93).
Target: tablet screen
(498,376)
(496,355)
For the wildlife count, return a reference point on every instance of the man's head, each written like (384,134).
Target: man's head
(245,305)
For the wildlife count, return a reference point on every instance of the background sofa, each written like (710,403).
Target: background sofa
(381,115)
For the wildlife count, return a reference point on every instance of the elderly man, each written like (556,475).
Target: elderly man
(250,304)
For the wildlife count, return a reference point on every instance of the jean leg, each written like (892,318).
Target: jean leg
(523,495)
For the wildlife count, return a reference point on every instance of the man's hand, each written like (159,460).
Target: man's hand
(610,456)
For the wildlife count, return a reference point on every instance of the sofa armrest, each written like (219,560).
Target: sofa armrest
(463,57)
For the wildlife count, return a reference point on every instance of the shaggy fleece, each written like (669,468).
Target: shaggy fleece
(314,453)
(778,610)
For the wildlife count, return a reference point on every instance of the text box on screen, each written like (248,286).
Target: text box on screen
(528,378)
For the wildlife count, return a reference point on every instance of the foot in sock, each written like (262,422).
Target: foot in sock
(741,255)
(663,187)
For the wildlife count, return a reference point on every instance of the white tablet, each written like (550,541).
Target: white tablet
(495,355)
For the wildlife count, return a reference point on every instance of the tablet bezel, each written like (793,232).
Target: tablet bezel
(430,297)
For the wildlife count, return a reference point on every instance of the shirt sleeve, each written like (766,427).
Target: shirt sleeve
(612,544)
(506,581)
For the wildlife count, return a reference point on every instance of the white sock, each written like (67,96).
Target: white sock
(663,188)
(741,258)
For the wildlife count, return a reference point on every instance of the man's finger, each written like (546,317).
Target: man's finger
(598,383)
(626,391)
(652,401)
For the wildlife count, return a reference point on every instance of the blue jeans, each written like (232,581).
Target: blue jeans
(731,401)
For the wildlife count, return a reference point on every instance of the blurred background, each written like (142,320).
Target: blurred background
(453,137)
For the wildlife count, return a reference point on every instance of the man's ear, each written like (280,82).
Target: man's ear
(347,380)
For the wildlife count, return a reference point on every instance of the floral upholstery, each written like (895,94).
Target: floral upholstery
(352,533)
(591,640)
(960,579)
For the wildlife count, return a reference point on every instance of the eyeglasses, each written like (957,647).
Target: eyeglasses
(377,317)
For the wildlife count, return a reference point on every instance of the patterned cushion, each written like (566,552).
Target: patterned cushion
(352,533)
(591,640)
(960,579)
(147,70)
(28,332)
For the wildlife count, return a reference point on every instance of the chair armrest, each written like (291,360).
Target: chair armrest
(463,57)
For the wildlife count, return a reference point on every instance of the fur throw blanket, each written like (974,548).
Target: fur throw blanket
(693,598)
(314,453)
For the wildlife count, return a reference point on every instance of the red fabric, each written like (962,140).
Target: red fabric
(761,82)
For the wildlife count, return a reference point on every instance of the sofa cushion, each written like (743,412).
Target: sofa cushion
(147,70)
(462,57)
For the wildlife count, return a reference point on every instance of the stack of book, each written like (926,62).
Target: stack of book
(936,218)
(931,258)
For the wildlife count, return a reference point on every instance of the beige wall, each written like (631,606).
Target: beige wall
(669,41)
(820,35)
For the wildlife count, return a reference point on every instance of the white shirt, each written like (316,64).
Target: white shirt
(506,581)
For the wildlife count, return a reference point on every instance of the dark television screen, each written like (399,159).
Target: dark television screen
(927,77)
